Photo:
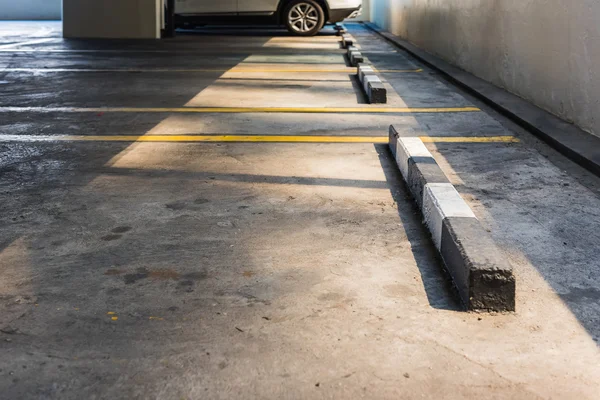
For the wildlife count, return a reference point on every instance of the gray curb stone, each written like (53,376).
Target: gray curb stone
(481,274)
(371,83)
(484,279)
(340,29)
(347,41)
(354,56)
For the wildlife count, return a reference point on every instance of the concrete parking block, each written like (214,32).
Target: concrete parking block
(347,41)
(340,29)
(372,85)
(482,276)
(355,56)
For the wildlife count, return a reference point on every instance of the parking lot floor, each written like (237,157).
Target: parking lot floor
(157,242)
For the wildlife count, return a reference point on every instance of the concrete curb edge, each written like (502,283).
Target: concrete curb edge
(579,146)
(371,84)
(481,274)
(355,56)
(339,29)
(347,41)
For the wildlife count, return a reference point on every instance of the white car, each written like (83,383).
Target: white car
(301,17)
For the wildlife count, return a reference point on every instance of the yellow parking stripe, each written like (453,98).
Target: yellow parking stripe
(343,70)
(229,138)
(467,139)
(218,110)
(249,139)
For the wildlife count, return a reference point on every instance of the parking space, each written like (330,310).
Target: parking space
(218,216)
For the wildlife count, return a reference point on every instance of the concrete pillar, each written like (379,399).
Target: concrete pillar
(117,19)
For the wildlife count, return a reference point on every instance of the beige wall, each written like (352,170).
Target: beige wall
(111,18)
(547,51)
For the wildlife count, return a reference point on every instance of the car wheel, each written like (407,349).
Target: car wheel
(304,17)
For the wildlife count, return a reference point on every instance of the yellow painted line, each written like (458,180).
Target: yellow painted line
(227,138)
(250,139)
(316,70)
(478,139)
(218,110)
(229,71)
(343,70)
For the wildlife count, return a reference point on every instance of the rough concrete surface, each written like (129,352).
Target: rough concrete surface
(482,274)
(258,270)
(544,51)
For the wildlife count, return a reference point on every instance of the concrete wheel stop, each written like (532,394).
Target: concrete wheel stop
(340,29)
(372,85)
(370,82)
(355,56)
(347,41)
(480,272)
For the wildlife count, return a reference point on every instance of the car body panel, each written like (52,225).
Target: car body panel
(258,6)
(343,4)
(200,7)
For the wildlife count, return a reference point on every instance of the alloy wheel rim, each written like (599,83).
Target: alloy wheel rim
(303,17)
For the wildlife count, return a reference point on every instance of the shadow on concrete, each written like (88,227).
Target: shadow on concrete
(436,282)
(246,178)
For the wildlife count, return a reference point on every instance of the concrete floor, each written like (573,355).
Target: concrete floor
(270,270)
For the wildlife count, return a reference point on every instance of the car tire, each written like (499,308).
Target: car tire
(303,17)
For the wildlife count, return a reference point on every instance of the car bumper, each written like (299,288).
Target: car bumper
(341,14)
